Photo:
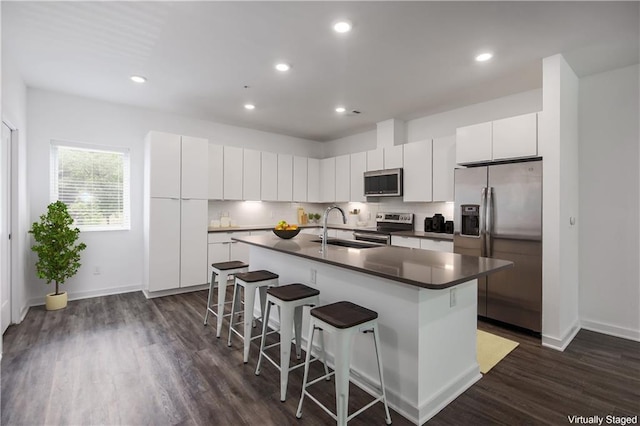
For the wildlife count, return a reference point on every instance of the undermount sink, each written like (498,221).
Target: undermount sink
(348,243)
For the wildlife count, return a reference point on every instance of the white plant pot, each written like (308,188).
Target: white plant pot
(53,301)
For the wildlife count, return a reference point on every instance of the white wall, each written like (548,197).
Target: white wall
(609,203)
(118,254)
(558,145)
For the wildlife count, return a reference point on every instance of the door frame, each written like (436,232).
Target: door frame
(13,215)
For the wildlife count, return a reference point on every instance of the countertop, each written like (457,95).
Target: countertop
(421,268)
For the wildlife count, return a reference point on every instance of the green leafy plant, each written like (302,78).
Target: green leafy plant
(58,252)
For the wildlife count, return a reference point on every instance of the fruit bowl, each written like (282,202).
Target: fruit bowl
(286,233)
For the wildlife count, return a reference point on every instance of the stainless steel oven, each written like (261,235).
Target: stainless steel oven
(372,237)
(386,224)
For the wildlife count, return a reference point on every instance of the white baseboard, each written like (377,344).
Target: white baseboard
(154,294)
(560,344)
(24,311)
(611,330)
(89,294)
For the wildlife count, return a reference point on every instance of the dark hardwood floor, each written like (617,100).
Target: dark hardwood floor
(127,360)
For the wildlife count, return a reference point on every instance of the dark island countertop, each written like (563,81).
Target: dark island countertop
(422,268)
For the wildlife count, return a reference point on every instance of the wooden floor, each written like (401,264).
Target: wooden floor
(127,360)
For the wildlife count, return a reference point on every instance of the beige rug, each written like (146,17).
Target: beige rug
(491,349)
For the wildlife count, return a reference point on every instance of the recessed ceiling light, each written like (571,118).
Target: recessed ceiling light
(138,79)
(484,57)
(283,67)
(249,106)
(342,26)
(341,109)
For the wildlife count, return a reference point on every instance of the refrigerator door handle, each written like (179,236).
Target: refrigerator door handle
(483,220)
(489,224)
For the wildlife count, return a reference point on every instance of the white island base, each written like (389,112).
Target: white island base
(428,336)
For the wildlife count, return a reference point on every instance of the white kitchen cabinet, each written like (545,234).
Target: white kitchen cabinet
(216,172)
(473,143)
(163,164)
(222,248)
(285,177)
(417,175)
(444,163)
(311,231)
(343,178)
(358,165)
(232,186)
(344,234)
(269,173)
(313,180)
(515,137)
(401,241)
(300,178)
(437,245)
(194,168)
(393,158)
(193,242)
(328,180)
(162,245)
(239,251)
(375,159)
(251,175)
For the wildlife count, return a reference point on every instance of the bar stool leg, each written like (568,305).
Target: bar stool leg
(342,361)
(222,293)
(249,301)
(307,358)
(211,286)
(376,341)
(234,307)
(286,318)
(267,312)
(297,323)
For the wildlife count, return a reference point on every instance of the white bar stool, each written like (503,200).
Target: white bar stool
(343,320)
(250,281)
(223,270)
(291,300)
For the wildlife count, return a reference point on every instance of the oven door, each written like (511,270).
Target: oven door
(371,237)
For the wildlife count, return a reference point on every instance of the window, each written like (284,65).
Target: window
(94,184)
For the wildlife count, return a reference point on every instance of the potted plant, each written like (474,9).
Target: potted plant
(58,252)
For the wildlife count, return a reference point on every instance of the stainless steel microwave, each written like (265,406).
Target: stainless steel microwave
(383,183)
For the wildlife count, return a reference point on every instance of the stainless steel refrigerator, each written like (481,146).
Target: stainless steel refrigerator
(498,213)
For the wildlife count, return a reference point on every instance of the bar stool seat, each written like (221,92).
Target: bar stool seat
(222,270)
(343,320)
(291,300)
(250,281)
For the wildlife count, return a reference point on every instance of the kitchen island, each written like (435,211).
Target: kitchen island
(427,306)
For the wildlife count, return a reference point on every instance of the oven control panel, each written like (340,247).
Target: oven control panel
(394,218)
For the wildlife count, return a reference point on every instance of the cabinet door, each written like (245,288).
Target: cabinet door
(299,178)
(313,180)
(217,252)
(444,162)
(216,168)
(410,242)
(437,245)
(393,157)
(193,242)
(285,177)
(473,143)
(240,251)
(164,244)
(515,137)
(417,171)
(343,178)
(375,159)
(232,173)
(269,181)
(358,167)
(343,234)
(163,165)
(251,175)
(195,168)
(328,179)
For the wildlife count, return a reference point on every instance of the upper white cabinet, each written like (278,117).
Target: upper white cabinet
(216,172)
(300,178)
(418,171)
(195,168)
(163,164)
(393,157)
(343,178)
(513,137)
(328,179)
(233,169)
(313,180)
(269,181)
(285,177)
(444,162)
(375,159)
(358,163)
(252,165)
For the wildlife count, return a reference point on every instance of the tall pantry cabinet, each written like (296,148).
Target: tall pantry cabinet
(175,211)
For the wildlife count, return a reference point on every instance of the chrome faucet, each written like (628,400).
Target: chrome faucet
(323,246)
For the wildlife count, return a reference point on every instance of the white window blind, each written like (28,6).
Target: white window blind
(94,184)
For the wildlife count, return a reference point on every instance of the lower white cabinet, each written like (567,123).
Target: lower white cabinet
(222,248)
(162,263)
(437,245)
(193,242)
(400,241)
(344,235)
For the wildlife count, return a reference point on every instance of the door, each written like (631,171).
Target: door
(469,185)
(515,224)
(5,227)
(164,244)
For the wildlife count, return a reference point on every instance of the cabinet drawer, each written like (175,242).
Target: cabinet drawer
(405,241)
(225,237)
(437,245)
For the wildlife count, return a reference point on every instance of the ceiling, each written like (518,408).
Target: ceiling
(401,60)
